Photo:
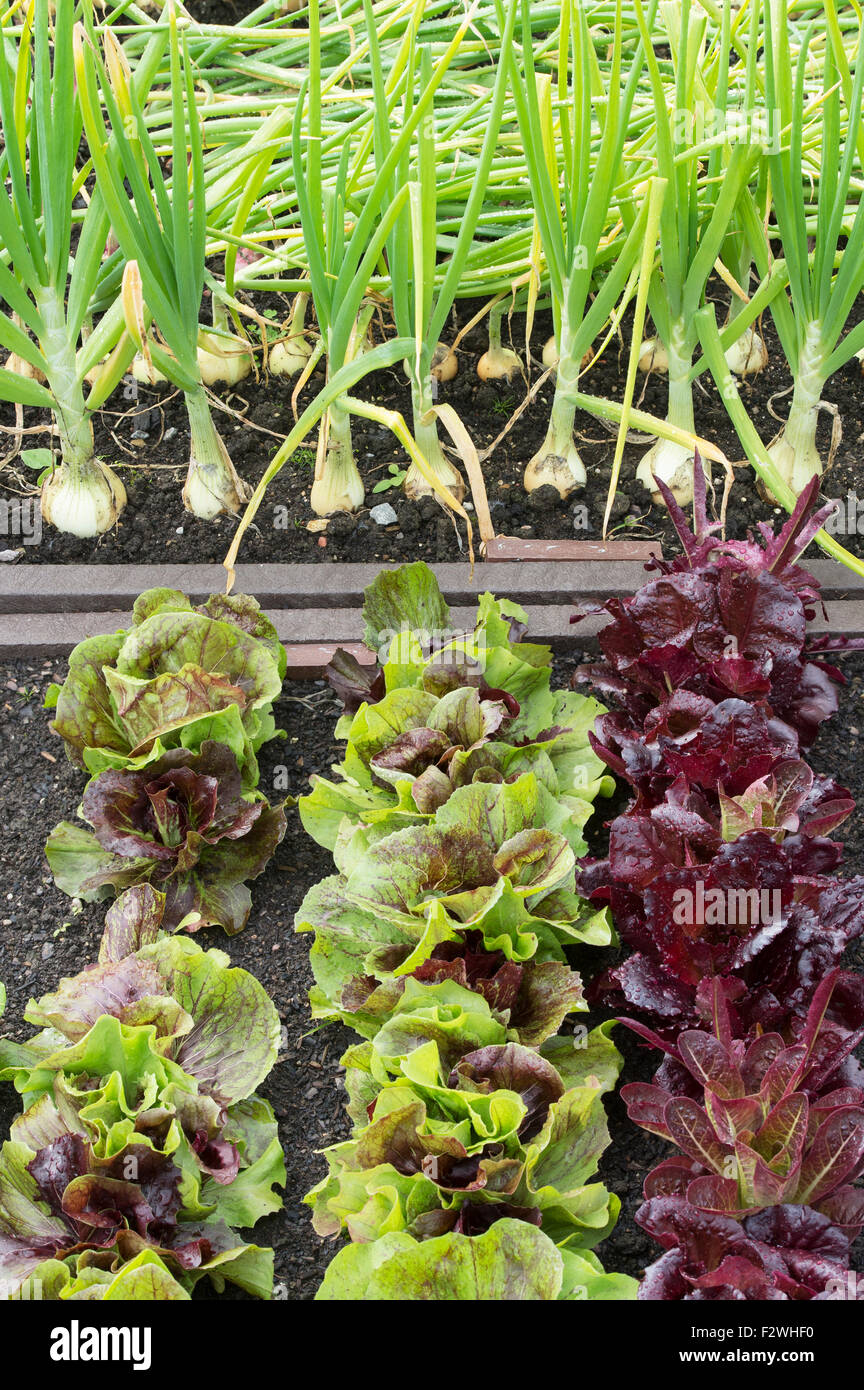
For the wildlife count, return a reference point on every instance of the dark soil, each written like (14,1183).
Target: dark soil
(153,463)
(42,940)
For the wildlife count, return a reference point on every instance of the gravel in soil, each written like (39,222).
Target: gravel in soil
(42,938)
(146,438)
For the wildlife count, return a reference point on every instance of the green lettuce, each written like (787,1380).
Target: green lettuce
(142,1129)
(180,676)
(511,1262)
(449,1140)
(450,710)
(484,894)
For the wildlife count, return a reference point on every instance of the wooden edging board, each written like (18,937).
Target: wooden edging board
(46,609)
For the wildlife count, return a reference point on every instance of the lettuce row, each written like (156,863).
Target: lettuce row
(455,821)
(718,877)
(142,1147)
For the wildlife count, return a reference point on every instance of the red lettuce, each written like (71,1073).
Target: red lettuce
(782,1253)
(726,619)
(183,824)
(768,1124)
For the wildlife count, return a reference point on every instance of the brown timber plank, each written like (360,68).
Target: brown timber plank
(503,548)
(91,588)
(80,588)
(311,635)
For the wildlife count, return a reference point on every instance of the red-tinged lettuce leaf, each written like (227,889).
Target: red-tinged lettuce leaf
(131,990)
(431,790)
(217,1157)
(548,992)
(234,1038)
(29,1231)
(408,597)
(799,1228)
(401,870)
(646,1107)
(736,744)
(133,921)
(785,1252)
(804,694)
(718,1195)
(757,609)
(640,848)
(664,1281)
(244,612)
(511,1262)
(214,891)
(690,1128)
(86,716)
(182,825)
(722,621)
(834,1156)
(352,683)
(475,1218)
(671,1177)
(646,986)
(844,1209)
(535,860)
(156,708)
(738,1277)
(510,1067)
(466,718)
(708,1060)
(159,600)
(410,754)
(176,667)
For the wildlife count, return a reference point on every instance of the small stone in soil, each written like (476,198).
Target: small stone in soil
(620,505)
(383,514)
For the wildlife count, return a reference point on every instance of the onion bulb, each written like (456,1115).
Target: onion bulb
(416,485)
(289,356)
(338,486)
(445,363)
(673,464)
(747,355)
(213,484)
(564,471)
(550,352)
(83,499)
(499,364)
(222,358)
(653,356)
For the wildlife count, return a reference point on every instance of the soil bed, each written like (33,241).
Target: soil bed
(41,939)
(147,439)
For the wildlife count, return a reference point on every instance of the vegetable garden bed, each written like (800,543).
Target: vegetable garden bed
(429,409)
(40,940)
